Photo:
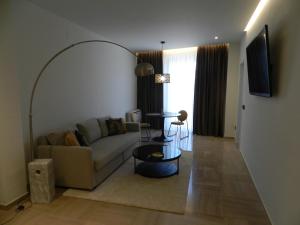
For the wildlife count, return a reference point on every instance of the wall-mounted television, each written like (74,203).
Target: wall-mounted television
(258,63)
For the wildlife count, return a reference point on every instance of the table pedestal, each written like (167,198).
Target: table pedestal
(162,137)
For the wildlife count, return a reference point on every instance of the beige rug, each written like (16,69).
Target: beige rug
(126,188)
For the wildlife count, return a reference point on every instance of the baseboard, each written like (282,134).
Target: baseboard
(252,177)
(230,138)
(13,202)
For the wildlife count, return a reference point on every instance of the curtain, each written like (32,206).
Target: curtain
(210,90)
(179,94)
(150,94)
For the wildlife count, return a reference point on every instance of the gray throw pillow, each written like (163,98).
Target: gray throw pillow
(90,130)
(103,126)
(135,117)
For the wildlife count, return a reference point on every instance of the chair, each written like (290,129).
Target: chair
(181,118)
(136,116)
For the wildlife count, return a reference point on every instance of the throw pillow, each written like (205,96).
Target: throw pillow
(90,129)
(42,140)
(81,139)
(115,126)
(135,117)
(103,126)
(56,138)
(70,139)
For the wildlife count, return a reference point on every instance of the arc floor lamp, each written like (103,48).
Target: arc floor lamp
(142,69)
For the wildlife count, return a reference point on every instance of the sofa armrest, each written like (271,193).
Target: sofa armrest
(73,165)
(133,126)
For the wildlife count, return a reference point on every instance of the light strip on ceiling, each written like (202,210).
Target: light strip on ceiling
(180,50)
(255,15)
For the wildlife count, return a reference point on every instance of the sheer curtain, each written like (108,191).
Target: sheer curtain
(179,94)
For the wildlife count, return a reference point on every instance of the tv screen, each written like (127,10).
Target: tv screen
(258,60)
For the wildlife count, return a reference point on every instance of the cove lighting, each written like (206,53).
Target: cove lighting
(255,15)
(179,50)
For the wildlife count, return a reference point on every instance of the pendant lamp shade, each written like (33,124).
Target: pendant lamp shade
(162,78)
(144,69)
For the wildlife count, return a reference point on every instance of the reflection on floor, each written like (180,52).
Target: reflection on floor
(221,192)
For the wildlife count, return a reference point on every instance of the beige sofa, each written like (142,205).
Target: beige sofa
(85,167)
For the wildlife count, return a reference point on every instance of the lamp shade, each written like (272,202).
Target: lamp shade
(162,78)
(144,69)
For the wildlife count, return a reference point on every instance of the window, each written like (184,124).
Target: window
(179,94)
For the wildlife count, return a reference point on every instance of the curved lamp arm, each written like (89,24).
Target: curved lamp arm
(142,69)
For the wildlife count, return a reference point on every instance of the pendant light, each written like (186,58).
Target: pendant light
(164,77)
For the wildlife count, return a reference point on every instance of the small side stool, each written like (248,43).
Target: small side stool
(41,178)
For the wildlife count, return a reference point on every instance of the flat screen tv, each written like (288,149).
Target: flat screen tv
(258,61)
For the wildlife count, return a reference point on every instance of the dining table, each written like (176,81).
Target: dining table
(162,116)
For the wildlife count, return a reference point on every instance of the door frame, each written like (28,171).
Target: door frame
(240,104)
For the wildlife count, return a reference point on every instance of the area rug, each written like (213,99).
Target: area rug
(126,188)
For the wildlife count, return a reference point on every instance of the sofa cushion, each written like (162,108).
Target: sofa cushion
(105,149)
(134,116)
(90,129)
(57,138)
(132,126)
(42,140)
(115,126)
(103,126)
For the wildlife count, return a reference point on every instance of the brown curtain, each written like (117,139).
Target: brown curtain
(150,94)
(210,90)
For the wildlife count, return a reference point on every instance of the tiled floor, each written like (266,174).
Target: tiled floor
(221,192)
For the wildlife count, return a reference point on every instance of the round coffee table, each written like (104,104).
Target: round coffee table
(158,160)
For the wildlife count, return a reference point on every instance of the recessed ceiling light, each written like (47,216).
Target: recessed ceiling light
(216,37)
(255,15)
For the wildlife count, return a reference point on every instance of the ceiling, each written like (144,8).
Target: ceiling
(141,25)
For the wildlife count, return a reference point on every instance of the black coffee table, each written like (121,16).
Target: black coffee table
(158,160)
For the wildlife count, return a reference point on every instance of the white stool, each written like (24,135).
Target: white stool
(41,178)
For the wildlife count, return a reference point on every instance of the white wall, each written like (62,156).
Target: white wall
(270,126)
(89,80)
(12,164)
(232,90)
